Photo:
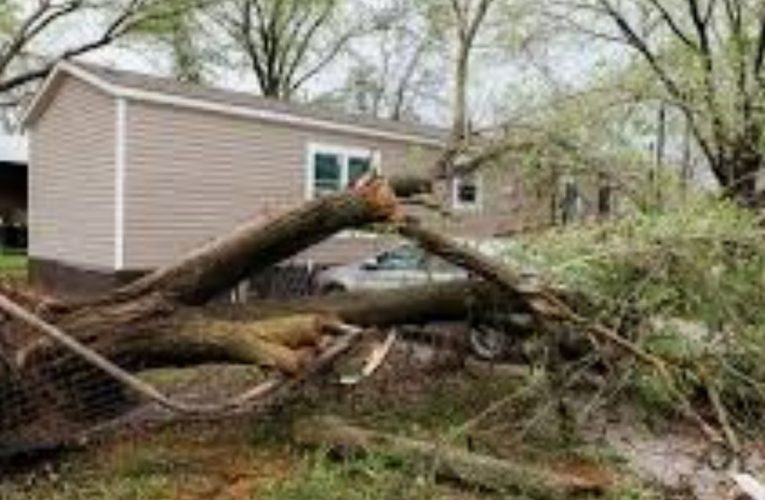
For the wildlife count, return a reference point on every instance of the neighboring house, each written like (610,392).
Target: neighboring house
(128,172)
(13,192)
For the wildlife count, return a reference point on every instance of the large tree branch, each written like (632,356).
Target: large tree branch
(130,16)
(673,24)
(45,15)
(301,49)
(641,45)
(759,53)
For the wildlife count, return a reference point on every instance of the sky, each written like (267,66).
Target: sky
(496,81)
(502,82)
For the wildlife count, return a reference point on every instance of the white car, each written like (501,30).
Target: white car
(404,265)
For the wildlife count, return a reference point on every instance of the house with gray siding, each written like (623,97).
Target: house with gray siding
(127,172)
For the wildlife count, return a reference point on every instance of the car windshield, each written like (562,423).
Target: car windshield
(405,257)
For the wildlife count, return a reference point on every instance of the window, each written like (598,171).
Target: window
(466,192)
(327,173)
(332,169)
(357,167)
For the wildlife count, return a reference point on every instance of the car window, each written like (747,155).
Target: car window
(401,259)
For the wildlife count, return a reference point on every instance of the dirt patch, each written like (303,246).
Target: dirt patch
(676,459)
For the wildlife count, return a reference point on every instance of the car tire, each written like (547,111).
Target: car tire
(488,342)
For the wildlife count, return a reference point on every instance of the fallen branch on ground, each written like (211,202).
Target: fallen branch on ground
(451,463)
(550,310)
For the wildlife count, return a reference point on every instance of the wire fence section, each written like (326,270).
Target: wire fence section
(54,396)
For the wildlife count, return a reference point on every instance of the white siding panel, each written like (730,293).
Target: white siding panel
(193,176)
(71,205)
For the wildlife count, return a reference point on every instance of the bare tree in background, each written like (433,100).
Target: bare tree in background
(707,59)
(25,53)
(285,42)
(396,70)
(181,33)
(468,16)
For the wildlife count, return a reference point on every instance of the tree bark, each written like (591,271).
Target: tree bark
(451,463)
(219,265)
(267,333)
(451,301)
(44,382)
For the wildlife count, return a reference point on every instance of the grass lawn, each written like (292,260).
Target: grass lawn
(255,459)
(13,265)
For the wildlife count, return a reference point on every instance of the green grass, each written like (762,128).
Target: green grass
(13,265)
(255,459)
(368,478)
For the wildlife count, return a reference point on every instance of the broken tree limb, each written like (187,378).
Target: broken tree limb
(451,463)
(284,343)
(419,304)
(221,264)
(265,332)
(549,309)
(348,336)
(220,334)
(227,333)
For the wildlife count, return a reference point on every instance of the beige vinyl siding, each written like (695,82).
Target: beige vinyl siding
(192,176)
(71,205)
(505,205)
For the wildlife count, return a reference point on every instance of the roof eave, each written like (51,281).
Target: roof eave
(37,106)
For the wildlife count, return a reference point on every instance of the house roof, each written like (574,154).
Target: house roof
(143,87)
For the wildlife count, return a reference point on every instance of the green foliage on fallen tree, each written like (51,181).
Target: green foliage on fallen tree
(686,284)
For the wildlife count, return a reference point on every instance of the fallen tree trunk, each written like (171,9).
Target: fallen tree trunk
(285,336)
(420,304)
(222,263)
(472,469)
(274,334)
(37,375)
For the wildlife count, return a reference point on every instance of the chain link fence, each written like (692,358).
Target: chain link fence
(60,398)
(57,397)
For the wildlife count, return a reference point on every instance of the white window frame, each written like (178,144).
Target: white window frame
(344,153)
(458,204)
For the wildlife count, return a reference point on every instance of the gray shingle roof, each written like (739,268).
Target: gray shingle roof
(172,87)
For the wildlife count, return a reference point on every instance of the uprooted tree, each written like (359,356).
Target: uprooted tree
(156,322)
